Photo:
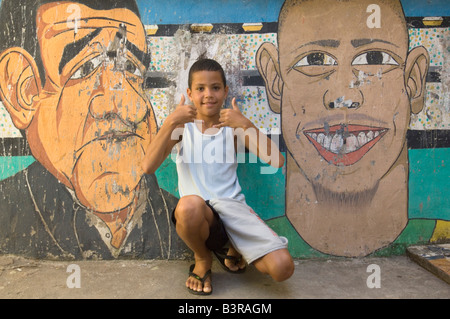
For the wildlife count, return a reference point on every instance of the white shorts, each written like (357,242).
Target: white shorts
(247,232)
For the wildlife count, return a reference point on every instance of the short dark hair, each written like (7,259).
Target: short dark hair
(18,23)
(206,65)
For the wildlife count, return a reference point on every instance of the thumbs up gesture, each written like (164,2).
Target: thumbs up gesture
(183,113)
(233,117)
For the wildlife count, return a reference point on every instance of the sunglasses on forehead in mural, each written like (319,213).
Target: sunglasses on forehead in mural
(116,52)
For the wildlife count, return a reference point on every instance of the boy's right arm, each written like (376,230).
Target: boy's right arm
(162,143)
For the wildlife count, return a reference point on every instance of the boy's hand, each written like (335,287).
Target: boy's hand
(183,113)
(233,117)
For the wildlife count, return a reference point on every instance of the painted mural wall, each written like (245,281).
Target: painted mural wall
(355,93)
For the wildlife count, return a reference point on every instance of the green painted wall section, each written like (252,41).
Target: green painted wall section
(429,186)
(11,165)
(428,196)
(429,175)
(428,199)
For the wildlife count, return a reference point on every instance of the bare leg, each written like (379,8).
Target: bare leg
(278,264)
(194,218)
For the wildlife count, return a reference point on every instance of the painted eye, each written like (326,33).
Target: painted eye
(374,58)
(316,58)
(87,68)
(130,67)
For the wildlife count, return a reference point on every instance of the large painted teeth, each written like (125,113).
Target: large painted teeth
(344,143)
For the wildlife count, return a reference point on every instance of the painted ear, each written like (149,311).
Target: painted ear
(19,85)
(416,70)
(268,67)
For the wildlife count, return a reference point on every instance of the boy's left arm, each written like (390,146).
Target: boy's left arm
(254,140)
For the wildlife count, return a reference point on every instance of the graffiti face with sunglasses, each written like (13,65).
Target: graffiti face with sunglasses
(88,121)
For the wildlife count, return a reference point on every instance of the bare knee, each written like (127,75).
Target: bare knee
(279,265)
(285,269)
(190,211)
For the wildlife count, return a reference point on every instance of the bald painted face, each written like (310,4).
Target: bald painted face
(93,120)
(345,91)
(345,106)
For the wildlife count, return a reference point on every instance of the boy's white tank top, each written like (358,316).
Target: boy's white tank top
(206,164)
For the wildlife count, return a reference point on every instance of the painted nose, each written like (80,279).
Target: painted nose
(116,96)
(344,93)
(342,102)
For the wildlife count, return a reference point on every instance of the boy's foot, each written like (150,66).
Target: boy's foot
(231,261)
(199,280)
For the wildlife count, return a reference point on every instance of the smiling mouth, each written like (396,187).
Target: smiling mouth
(344,144)
(210,103)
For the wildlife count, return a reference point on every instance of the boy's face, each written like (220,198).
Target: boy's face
(207,92)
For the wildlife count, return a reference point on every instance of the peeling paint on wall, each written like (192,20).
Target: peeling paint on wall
(47,216)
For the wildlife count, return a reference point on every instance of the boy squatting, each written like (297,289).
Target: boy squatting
(212,211)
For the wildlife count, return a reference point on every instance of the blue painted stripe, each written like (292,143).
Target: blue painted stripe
(201,11)
(426,8)
(241,11)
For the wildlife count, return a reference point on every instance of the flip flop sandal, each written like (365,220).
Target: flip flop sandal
(222,255)
(202,280)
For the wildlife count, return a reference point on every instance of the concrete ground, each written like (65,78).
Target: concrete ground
(397,277)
